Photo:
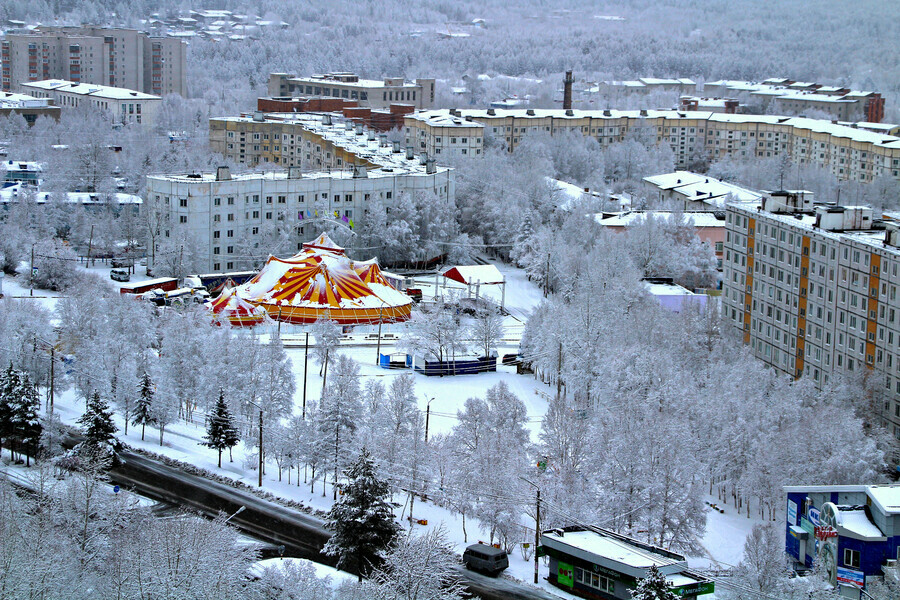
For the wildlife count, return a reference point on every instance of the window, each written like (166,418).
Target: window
(851,558)
(594,580)
(182,219)
(182,202)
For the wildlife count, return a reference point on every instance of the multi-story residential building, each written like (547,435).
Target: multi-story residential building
(28,106)
(795,97)
(224,214)
(115,57)
(442,136)
(813,289)
(850,152)
(312,141)
(693,191)
(371,93)
(121,105)
(852,531)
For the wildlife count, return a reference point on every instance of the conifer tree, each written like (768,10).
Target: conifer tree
(361,519)
(97,422)
(220,430)
(9,381)
(654,587)
(26,420)
(142,408)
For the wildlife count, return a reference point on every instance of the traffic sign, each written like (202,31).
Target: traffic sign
(116,489)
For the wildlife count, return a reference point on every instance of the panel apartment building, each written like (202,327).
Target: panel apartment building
(813,289)
(120,105)
(333,169)
(372,93)
(849,152)
(124,58)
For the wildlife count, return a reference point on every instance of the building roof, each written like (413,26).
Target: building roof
(475,274)
(701,188)
(612,552)
(88,89)
(360,83)
(700,219)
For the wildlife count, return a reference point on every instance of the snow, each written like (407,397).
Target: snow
(610,548)
(856,522)
(887,497)
(335,576)
(473,274)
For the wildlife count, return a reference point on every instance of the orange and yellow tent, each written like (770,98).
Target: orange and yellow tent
(230,308)
(321,282)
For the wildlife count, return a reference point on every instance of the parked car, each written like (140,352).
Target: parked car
(485,559)
(120,275)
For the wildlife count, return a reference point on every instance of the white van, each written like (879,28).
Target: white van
(119,275)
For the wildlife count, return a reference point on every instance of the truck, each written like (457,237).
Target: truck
(176,297)
(166,284)
(215,282)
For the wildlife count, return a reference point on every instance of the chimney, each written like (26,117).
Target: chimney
(294,173)
(349,125)
(371,135)
(396,147)
(410,154)
(423,158)
(382,139)
(567,90)
(359,129)
(430,166)
(359,172)
(223,174)
(326,119)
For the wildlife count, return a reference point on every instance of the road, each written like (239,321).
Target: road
(302,535)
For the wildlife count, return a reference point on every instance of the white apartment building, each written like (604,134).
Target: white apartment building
(374,93)
(225,213)
(121,105)
(813,289)
(850,152)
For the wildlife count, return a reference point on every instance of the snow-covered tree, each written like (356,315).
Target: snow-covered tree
(220,430)
(362,520)
(99,429)
(653,587)
(421,567)
(487,330)
(143,408)
(339,415)
(435,333)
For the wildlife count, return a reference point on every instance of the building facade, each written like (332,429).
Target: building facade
(124,58)
(29,107)
(602,565)
(370,93)
(852,530)
(850,152)
(813,290)
(121,105)
(445,136)
(224,214)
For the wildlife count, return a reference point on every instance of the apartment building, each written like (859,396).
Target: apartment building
(787,95)
(121,105)
(124,58)
(693,191)
(224,214)
(442,136)
(372,93)
(851,152)
(813,289)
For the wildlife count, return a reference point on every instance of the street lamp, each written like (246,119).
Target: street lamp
(260,440)
(380,319)
(537,525)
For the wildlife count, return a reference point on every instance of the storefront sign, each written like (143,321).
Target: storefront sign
(845,575)
(695,589)
(807,526)
(813,515)
(792,512)
(565,575)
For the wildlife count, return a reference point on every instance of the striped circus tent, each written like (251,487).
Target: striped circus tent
(321,282)
(237,312)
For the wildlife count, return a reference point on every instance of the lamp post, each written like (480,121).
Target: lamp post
(260,440)
(380,319)
(537,525)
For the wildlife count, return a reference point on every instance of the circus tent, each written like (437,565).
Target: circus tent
(321,282)
(230,308)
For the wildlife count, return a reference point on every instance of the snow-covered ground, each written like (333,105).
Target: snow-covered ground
(725,534)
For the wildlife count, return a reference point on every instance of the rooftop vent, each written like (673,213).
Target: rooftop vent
(359,129)
(410,153)
(607,113)
(491,112)
(326,120)
(430,167)
(360,172)
(294,173)
(258,116)
(570,112)
(396,148)
(223,174)
(529,112)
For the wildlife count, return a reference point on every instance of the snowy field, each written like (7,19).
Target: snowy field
(725,534)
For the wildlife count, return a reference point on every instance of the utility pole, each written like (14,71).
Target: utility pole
(260,447)
(547,277)
(32,270)
(305,367)
(90,246)
(53,378)
(537,532)
(559,362)
(427,418)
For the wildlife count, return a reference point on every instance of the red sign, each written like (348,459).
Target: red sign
(823,532)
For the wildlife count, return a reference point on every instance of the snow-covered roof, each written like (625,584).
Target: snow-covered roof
(630,218)
(88,89)
(667,289)
(702,188)
(15,192)
(853,520)
(612,553)
(887,497)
